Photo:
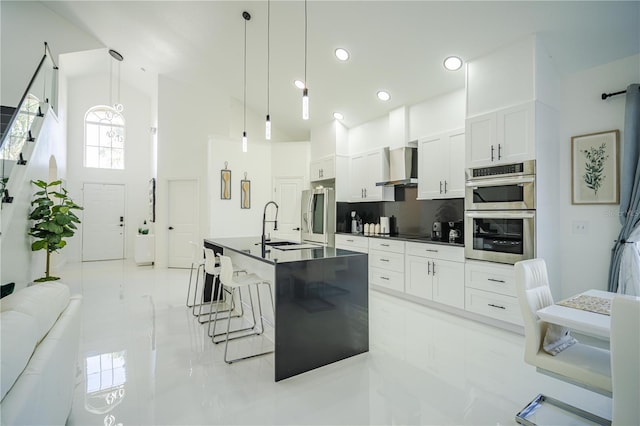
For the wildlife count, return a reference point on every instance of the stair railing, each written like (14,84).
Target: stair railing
(41,93)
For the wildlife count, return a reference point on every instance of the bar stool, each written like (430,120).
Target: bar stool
(196,259)
(231,284)
(210,268)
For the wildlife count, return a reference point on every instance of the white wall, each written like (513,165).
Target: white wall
(437,115)
(19,263)
(585,258)
(24,27)
(368,136)
(84,93)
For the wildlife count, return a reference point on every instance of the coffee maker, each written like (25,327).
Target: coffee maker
(440,231)
(456,232)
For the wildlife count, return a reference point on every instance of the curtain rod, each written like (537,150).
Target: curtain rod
(607,95)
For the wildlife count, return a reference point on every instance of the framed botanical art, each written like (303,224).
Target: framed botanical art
(595,174)
(225,183)
(245,193)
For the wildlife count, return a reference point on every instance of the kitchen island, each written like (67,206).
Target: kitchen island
(321,299)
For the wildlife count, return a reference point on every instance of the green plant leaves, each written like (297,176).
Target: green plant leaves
(53,219)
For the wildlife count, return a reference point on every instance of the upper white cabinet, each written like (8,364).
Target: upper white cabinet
(503,136)
(364,171)
(322,169)
(441,166)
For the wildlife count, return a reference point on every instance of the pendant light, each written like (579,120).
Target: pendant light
(246,17)
(267,125)
(305,91)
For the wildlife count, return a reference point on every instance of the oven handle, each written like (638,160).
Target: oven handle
(501,214)
(500,181)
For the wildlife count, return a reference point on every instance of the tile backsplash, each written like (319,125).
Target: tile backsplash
(411,216)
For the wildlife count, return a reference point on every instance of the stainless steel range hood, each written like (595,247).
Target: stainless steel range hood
(403,167)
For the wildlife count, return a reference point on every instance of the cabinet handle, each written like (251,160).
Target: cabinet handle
(491,152)
(384,278)
(433,270)
(499,151)
(384,260)
(350,241)
(496,281)
(365,193)
(445,186)
(496,306)
(428,268)
(431,250)
(441,187)
(384,245)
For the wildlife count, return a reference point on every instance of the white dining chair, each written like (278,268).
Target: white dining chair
(625,360)
(582,365)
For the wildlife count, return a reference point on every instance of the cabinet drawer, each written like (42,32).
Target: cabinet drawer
(386,260)
(435,251)
(386,245)
(498,306)
(495,278)
(385,278)
(355,243)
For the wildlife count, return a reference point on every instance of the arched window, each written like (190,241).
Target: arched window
(103,138)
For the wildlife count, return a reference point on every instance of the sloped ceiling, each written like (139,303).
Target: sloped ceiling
(397,46)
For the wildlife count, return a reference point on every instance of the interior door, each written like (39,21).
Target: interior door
(287,192)
(182,221)
(103,222)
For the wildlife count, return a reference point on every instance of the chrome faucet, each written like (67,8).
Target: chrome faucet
(264,221)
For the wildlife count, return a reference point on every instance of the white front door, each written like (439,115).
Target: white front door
(103,222)
(183,221)
(287,192)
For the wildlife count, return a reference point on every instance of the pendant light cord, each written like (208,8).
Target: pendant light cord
(244,96)
(268,53)
(305,43)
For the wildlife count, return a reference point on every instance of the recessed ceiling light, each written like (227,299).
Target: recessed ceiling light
(299,84)
(453,63)
(342,54)
(383,96)
(338,115)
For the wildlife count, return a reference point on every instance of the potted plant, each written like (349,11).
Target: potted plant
(54,221)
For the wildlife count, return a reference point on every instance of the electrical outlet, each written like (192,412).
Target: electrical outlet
(580,227)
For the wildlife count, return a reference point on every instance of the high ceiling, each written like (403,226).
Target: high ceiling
(395,45)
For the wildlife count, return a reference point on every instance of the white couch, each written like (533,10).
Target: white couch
(40,331)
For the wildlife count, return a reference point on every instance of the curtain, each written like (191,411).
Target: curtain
(627,243)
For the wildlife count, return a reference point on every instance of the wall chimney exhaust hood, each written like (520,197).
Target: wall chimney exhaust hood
(403,167)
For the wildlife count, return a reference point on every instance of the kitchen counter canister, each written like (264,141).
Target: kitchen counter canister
(321,299)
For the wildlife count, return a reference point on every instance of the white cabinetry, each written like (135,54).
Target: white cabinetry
(491,291)
(322,169)
(435,272)
(441,166)
(503,136)
(364,171)
(353,243)
(145,249)
(386,263)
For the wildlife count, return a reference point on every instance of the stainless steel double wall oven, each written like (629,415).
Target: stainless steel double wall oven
(500,212)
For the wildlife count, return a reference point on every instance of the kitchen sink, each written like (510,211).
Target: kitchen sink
(279,243)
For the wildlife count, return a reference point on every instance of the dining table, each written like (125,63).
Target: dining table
(588,312)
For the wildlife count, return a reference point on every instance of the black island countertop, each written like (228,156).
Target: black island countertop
(251,246)
(321,298)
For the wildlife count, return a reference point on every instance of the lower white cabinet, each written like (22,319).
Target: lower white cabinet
(435,272)
(490,290)
(386,263)
(352,242)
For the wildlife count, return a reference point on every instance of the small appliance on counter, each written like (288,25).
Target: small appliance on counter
(356,223)
(456,232)
(385,228)
(440,231)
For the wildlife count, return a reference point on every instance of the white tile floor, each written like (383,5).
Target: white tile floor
(146,361)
